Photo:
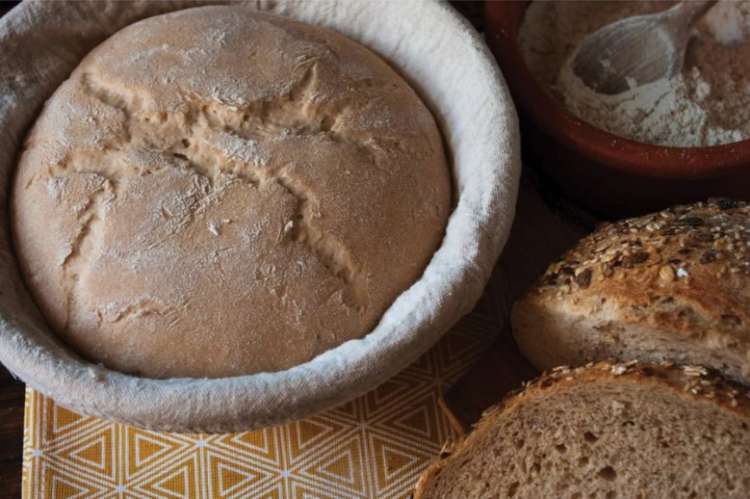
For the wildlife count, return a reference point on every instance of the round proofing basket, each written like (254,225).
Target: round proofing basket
(446,61)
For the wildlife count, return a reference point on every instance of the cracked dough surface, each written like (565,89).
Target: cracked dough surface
(216,192)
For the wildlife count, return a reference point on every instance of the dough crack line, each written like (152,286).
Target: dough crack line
(90,216)
(230,133)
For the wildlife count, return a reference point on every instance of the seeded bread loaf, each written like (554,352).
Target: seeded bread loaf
(217,191)
(609,431)
(674,285)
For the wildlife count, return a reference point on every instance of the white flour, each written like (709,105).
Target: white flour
(708,104)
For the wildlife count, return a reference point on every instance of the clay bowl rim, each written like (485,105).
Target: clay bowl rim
(503,21)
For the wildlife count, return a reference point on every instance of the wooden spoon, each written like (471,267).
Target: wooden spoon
(639,49)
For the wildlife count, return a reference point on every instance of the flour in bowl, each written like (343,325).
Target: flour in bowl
(707,104)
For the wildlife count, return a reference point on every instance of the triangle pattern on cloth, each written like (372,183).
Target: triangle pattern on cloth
(61,426)
(89,451)
(456,349)
(277,492)
(61,485)
(394,462)
(349,412)
(262,444)
(424,367)
(231,478)
(311,433)
(388,393)
(95,455)
(179,481)
(64,420)
(418,421)
(147,448)
(341,467)
(304,491)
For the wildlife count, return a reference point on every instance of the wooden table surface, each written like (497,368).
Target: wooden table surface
(11,434)
(12,390)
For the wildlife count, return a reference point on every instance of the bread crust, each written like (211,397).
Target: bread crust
(673,285)
(695,383)
(217,191)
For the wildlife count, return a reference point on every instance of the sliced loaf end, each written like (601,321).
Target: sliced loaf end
(605,430)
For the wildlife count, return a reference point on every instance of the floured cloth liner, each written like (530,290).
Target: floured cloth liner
(445,60)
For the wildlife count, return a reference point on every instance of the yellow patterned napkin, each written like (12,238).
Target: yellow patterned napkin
(375,446)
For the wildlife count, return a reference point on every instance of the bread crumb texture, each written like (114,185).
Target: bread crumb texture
(608,430)
(216,192)
(673,285)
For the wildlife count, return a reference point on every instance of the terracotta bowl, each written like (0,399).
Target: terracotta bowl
(609,175)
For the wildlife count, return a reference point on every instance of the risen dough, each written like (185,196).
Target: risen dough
(216,192)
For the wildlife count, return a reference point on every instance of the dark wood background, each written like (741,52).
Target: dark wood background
(11,410)
(12,390)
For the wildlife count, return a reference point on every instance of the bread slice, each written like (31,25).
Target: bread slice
(607,431)
(670,286)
